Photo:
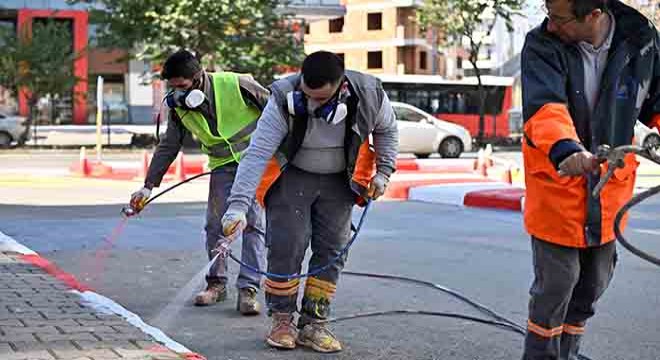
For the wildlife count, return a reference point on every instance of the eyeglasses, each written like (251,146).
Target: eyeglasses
(557,20)
(560,21)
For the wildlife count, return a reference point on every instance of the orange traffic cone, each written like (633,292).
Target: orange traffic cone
(483,164)
(507,176)
(180,171)
(478,160)
(83,163)
(488,155)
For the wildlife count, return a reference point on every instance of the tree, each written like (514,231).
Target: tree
(472,20)
(249,36)
(38,63)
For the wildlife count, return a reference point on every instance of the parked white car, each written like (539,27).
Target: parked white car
(12,128)
(646,136)
(422,134)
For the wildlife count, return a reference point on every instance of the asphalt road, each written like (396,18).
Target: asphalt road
(484,254)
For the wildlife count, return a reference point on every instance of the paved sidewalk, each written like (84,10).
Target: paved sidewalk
(41,318)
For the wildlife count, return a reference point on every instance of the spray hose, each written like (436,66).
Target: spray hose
(313,271)
(498,320)
(614,157)
(224,251)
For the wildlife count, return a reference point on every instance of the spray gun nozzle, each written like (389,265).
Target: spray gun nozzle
(128,211)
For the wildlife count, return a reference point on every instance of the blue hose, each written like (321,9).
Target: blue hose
(315,271)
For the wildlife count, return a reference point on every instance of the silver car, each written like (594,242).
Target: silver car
(422,134)
(13,129)
(645,136)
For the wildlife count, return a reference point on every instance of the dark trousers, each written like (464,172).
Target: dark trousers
(567,284)
(253,245)
(302,210)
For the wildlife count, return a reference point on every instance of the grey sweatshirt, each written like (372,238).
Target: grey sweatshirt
(271,130)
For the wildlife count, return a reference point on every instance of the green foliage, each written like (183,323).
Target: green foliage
(473,20)
(238,35)
(39,62)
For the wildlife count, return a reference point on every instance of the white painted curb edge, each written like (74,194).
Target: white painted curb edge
(8,244)
(101,303)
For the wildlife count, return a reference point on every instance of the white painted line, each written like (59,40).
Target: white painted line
(7,244)
(104,305)
(647,231)
(101,303)
(453,194)
(433,176)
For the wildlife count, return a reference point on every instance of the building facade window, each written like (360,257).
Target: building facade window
(336,25)
(422,60)
(375,60)
(375,21)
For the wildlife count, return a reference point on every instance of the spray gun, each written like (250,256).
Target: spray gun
(225,239)
(222,248)
(614,157)
(134,207)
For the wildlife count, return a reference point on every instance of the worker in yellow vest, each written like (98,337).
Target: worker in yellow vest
(221,110)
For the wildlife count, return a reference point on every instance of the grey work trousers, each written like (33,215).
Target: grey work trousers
(253,246)
(306,209)
(568,282)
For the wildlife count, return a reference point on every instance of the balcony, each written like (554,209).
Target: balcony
(311,10)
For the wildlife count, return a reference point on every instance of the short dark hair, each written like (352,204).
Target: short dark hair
(582,8)
(321,68)
(182,63)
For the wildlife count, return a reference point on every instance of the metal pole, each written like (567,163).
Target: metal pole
(99,115)
(107,116)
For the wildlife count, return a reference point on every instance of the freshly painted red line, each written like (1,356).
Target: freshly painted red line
(506,199)
(187,356)
(193,356)
(58,273)
(407,164)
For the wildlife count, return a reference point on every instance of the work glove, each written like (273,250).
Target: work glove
(577,164)
(233,221)
(378,185)
(139,197)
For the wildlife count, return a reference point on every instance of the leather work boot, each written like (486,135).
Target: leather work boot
(215,292)
(318,337)
(247,303)
(283,334)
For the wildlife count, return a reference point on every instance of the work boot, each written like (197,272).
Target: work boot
(215,292)
(569,347)
(283,334)
(247,303)
(318,337)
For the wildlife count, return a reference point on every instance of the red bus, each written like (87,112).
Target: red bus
(457,101)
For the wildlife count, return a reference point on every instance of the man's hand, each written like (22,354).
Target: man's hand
(233,221)
(139,197)
(580,163)
(378,185)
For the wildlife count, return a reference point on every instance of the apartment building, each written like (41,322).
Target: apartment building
(130,96)
(377,36)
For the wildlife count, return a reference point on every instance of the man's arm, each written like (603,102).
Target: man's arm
(271,130)
(548,124)
(166,152)
(650,112)
(386,138)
